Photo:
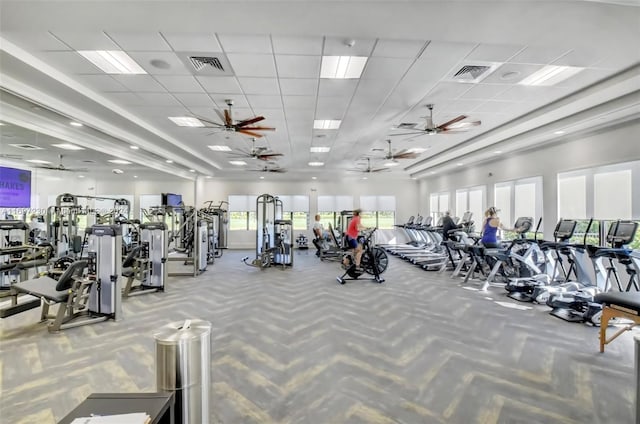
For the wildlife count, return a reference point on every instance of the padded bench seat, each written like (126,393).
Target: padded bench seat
(42,287)
(618,305)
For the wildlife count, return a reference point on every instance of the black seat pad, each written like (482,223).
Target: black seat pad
(127,272)
(42,287)
(624,299)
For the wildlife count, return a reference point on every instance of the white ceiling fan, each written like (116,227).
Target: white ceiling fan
(455,125)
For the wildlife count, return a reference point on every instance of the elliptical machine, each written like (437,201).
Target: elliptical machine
(374,261)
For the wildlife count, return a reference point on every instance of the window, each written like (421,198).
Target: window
(296,208)
(572,197)
(612,194)
(502,202)
(439,204)
(378,211)
(329,208)
(519,198)
(471,200)
(242,212)
(605,192)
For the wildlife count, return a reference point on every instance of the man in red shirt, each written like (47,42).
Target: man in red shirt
(352,237)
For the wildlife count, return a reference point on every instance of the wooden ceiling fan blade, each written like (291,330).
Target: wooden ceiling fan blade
(411,133)
(379,169)
(220,115)
(406,155)
(249,133)
(250,121)
(444,126)
(267,156)
(463,125)
(258,128)
(227,118)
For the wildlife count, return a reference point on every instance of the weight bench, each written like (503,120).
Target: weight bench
(70,292)
(618,305)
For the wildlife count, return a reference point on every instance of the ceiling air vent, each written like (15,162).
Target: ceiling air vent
(25,146)
(474,72)
(206,63)
(201,62)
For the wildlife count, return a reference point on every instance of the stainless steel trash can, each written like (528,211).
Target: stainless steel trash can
(183,355)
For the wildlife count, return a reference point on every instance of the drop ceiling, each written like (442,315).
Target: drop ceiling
(272,54)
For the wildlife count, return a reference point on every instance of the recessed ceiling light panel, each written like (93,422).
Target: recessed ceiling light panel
(38,161)
(342,67)
(112,61)
(68,146)
(120,161)
(237,162)
(186,121)
(75,124)
(220,148)
(320,149)
(326,124)
(550,75)
(316,163)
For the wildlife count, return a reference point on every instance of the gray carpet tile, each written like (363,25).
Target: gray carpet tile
(294,346)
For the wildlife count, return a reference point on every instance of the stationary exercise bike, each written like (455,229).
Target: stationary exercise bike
(374,261)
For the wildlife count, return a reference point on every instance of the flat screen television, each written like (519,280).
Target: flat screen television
(171,199)
(15,188)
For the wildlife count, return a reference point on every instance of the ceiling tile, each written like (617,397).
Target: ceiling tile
(582,58)
(158,99)
(584,78)
(438,50)
(220,84)
(259,85)
(447,91)
(35,41)
(194,99)
(299,102)
(331,107)
(511,73)
(95,40)
(460,107)
(493,106)
(140,83)
(179,83)
(239,101)
(539,54)
(297,45)
(519,93)
(100,82)
(264,102)
(337,87)
(232,43)
(398,48)
(374,90)
(160,63)
(483,91)
(337,46)
(70,62)
(124,98)
(140,41)
(252,65)
(291,66)
(494,52)
(431,70)
(183,42)
(386,68)
(298,86)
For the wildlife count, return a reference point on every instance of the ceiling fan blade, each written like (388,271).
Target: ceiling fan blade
(208,121)
(406,155)
(267,156)
(379,169)
(258,128)
(250,121)
(249,133)
(227,118)
(220,115)
(462,125)
(444,126)
(278,170)
(422,132)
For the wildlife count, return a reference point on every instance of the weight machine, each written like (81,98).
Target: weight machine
(274,240)
(148,261)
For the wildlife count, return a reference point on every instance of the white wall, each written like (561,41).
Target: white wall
(614,146)
(406,192)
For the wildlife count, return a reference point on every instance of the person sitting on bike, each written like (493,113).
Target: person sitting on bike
(352,237)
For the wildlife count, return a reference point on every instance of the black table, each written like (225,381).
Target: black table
(159,406)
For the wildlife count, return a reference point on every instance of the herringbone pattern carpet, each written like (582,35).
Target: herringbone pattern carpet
(293,346)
